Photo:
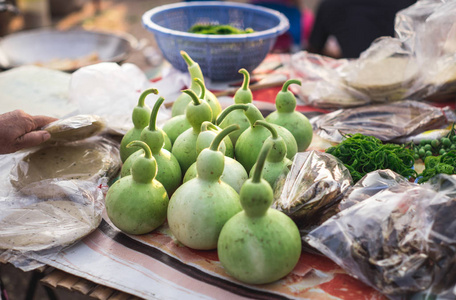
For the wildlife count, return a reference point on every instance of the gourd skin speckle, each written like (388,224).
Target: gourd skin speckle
(200,207)
(259,250)
(133,208)
(138,203)
(259,244)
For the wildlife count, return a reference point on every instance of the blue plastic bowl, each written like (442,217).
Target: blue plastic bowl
(219,56)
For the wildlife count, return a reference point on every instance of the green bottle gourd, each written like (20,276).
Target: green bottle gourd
(276,163)
(169,172)
(140,118)
(200,207)
(259,244)
(287,116)
(183,100)
(175,127)
(184,148)
(137,204)
(249,143)
(234,173)
(207,135)
(242,96)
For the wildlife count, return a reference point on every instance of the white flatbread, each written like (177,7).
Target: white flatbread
(78,161)
(47,224)
(75,128)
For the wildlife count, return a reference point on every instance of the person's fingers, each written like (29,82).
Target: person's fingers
(32,139)
(40,121)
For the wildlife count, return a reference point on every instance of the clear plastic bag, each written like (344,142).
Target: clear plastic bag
(75,128)
(399,239)
(387,122)
(322,83)
(310,192)
(47,209)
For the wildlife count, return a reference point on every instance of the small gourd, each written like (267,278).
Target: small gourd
(138,203)
(276,163)
(184,148)
(242,96)
(180,104)
(200,207)
(207,135)
(249,143)
(259,244)
(234,173)
(140,118)
(169,172)
(287,116)
(176,126)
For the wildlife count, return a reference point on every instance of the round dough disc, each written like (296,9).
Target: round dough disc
(47,224)
(74,128)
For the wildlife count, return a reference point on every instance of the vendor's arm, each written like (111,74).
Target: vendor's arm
(19,130)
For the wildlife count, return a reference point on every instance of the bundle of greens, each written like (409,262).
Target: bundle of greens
(217,29)
(363,154)
(442,164)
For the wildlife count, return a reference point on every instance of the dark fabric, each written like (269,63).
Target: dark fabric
(354,23)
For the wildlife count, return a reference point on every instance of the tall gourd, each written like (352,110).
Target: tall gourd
(276,163)
(259,244)
(287,116)
(183,100)
(234,173)
(242,96)
(137,204)
(249,143)
(200,207)
(140,118)
(169,172)
(184,148)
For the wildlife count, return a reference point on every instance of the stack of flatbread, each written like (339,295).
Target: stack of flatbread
(383,80)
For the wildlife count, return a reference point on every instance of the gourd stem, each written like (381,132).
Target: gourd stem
(187,58)
(208,126)
(203,88)
(221,135)
(228,110)
(269,127)
(196,100)
(256,177)
(144,94)
(288,82)
(153,115)
(245,83)
(142,145)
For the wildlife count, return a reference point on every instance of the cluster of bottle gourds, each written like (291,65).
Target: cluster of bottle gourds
(210,174)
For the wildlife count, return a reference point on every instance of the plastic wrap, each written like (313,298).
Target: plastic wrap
(428,28)
(75,128)
(387,122)
(111,92)
(384,72)
(48,203)
(400,239)
(322,83)
(310,192)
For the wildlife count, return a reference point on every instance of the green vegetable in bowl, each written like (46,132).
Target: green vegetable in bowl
(287,116)
(138,203)
(200,207)
(201,28)
(259,244)
(242,96)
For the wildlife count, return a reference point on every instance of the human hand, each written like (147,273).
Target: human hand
(20,130)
